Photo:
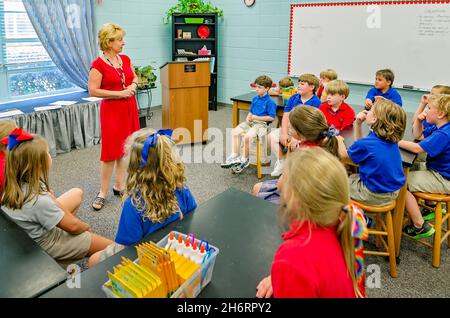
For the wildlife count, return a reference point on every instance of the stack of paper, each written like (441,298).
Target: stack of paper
(10,113)
(64,102)
(42,108)
(92,99)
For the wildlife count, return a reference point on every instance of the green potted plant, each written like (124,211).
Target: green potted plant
(146,76)
(192,6)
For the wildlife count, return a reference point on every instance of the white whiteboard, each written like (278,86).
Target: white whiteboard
(357,39)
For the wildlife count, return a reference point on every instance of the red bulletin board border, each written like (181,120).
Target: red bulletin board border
(340,4)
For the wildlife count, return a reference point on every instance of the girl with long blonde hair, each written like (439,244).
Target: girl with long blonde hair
(29,202)
(317,257)
(156,193)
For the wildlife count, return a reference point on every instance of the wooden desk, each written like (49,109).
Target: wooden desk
(243,102)
(26,269)
(243,227)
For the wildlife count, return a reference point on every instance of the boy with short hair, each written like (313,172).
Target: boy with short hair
(383,88)
(337,112)
(307,86)
(284,83)
(262,113)
(436,179)
(326,76)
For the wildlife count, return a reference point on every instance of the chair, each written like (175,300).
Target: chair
(257,161)
(382,228)
(440,234)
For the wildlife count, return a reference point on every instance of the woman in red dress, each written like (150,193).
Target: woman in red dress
(112,78)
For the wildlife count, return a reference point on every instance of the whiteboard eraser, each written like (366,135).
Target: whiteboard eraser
(408,86)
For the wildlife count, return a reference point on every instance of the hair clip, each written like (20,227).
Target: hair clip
(16,137)
(150,142)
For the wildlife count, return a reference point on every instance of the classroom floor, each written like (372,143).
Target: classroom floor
(80,168)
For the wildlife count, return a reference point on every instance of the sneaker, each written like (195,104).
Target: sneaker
(243,164)
(278,169)
(232,160)
(369,221)
(427,214)
(425,231)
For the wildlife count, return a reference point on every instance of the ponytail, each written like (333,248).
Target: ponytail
(330,142)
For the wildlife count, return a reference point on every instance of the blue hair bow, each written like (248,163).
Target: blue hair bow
(331,132)
(151,142)
(16,137)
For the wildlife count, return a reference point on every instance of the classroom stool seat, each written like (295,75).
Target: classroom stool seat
(257,154)
(382,228)
(440,234)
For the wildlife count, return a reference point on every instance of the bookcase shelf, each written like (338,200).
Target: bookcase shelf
(195,43)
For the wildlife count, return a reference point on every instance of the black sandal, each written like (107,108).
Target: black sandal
(118,192)
(99,201)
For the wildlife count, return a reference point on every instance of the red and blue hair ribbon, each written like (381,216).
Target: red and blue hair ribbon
(16,137)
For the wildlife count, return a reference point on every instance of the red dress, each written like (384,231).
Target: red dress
(118,117)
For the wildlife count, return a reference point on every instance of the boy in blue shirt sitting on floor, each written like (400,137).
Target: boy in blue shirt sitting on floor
(383,88)
(436,179)
(262,113)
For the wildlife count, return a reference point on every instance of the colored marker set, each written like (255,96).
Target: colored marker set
(178,266)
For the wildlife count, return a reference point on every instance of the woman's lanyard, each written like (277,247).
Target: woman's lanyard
(121,76)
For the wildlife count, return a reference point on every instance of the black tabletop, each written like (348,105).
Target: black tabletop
(25,269)
(243,227)
(249,97)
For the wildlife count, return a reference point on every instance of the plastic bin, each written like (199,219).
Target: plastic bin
(192,287)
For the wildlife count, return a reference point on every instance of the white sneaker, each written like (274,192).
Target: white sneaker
(278,169)
(232,160)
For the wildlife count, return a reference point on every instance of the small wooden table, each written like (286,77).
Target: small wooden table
(243,102)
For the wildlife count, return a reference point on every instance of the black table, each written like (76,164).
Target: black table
(26,269)
(243,227)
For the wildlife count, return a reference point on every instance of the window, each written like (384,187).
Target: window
(24,63)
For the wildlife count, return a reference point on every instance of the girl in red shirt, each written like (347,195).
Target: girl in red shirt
(317,258)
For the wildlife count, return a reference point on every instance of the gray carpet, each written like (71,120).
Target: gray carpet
(80,168)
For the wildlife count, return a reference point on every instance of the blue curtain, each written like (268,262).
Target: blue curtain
(66,30)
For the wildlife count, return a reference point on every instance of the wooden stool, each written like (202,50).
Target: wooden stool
(438,221)
(258,163)
(382,228)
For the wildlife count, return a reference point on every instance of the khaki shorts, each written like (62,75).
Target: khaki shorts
(420,162)
(428,181)
(256,128)
(110,250)
(61,245)
(359,192)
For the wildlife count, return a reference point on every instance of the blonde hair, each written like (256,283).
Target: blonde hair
(329,74)
(311,79)
(152,187)
(319,197)
(311,123)
(6,127)
(285,82)
(390,121)
(442,102)
(26,172)
(443,89)
(387,74)
(108,33)
(337,87)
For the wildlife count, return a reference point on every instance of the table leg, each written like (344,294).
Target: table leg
(399,213)
(235,114)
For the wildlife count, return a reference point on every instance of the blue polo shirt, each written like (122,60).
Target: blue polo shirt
(427,125)
(391,94)
(263,106)
(437,146)
(296,100)
(380,163)
(134,226)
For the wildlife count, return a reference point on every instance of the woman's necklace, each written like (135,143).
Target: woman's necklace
(121,76)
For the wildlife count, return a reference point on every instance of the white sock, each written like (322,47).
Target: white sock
(234,155)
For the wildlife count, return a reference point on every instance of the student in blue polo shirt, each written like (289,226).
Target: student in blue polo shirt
(383,88)
(279,138)
(436,179)
(262,112)
(156,192)
(380,165)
